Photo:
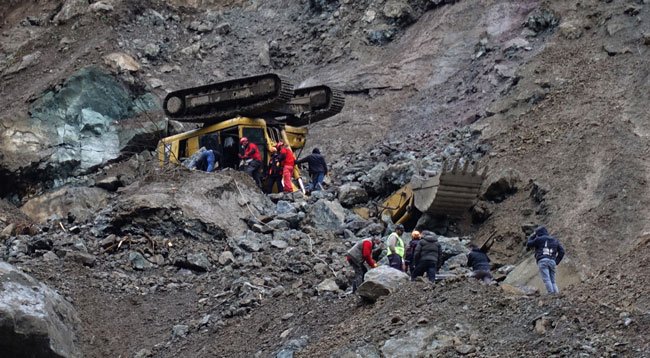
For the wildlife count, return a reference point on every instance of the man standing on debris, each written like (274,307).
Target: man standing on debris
(410,251)
(427,256)
(275,172)
(252,159)
(480,264)
(317,169)
(288,161)
(548,253)
(395,246)
(362,252)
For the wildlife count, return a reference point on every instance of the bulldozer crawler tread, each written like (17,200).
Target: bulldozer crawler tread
(250,106)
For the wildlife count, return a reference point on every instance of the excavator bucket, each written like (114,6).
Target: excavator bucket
(451,193)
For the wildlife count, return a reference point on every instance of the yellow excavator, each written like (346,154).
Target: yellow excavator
(264,108)
(451,192)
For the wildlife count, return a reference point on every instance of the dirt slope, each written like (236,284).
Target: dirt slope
(567,111)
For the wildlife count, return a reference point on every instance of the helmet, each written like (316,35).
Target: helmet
(273,150)
(243,140)
(280,144)
(415,234)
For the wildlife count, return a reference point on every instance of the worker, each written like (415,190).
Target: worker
(288,161)
(205,159)
(410,250)
(274,174)
(360,253)
(395,246)
(427,256)
(252,158)
(479,261)
(317,169)
(548,253)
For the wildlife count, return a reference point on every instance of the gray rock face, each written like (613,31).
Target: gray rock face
(35,321)
(381,281)
(451,246)
(326,215)
(80,125)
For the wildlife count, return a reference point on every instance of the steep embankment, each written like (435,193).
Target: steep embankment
(556,95)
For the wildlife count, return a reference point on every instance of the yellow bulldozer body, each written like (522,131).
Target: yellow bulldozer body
(225,136)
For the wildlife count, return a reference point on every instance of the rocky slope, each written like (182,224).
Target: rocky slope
(549,95)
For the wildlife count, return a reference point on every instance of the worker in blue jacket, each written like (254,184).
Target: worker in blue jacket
(548,253)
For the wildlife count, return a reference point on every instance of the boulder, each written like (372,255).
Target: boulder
(226,258)
(502,185)
(122,62)
(79,202)
(451,246)
(381,281)
(326,215)
(138,262)
(351,194)
(35,321)
(328,285)
(69,10)
(200,205)
(416,342)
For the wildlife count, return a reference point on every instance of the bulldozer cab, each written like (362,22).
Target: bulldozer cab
(224,138)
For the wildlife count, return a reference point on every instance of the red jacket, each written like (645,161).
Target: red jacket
(366,251)
(289,159)
(251,152)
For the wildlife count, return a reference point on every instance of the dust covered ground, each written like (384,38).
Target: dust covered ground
(566,111)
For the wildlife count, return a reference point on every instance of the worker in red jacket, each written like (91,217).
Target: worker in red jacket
(252,158)
(288,161)
(360,253)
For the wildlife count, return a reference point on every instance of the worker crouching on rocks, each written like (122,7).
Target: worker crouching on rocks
(480,264)
(395,246)
(359,255)
(427,256)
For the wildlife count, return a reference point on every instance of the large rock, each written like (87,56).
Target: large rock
(326,215)
(381,281)
(208,206)
(502,185)
(79,202)
(87,121)
(69,10)
(351,194)
(35,321)
(526,274)
(451,246)
(417,342)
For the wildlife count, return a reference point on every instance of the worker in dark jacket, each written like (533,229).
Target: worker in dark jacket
(360,253)
(548,253)
(317,169)
(274,174)
(427,256)
(410,251)
(480,264)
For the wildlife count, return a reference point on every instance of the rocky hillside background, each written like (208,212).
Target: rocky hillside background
(551,96)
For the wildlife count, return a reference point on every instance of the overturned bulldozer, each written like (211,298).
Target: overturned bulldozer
(268,96)
(450,193)
(266,109)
